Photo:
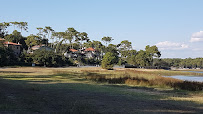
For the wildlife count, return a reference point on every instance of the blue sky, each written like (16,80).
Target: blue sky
(175,26)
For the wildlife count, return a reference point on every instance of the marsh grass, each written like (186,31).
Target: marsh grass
(141,78)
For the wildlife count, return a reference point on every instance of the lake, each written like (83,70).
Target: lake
(187,78)
(195,71)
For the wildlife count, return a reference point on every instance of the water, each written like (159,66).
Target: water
(195,71)
(187,78)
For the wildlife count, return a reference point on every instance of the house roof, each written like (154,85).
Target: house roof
(11,43)
(90,49)
(39,47)
(73,50)
(2,39)
(36,47)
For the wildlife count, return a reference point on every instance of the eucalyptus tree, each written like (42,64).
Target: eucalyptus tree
(107,39)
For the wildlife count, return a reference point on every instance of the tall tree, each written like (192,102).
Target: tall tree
(124,48)
(83,37)
(3,27)
(14,24)
(153,51)
(22,26)
(107,39)
(31,41)
(48,30)
(72,35)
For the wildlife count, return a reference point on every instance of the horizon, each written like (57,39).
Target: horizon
(175,27)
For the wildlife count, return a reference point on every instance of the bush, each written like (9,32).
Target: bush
(49,58)
(108,61)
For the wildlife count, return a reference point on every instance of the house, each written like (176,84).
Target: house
(16,47)
(40,47)
(72,53)
(90,52)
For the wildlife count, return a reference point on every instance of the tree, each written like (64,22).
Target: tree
(16,37)
(125,45)
(48,58)
(72,35)
(48,30)
(142,58)
(108,61)
(31,41)
(131,57)
(23,26)
(107,39)
(14,24)
(83,37)
(7,56)
(124,48)
(132,60)
(111,48)
(3,27)
(153,51)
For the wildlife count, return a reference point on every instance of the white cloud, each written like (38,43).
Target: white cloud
(197,37)
(167,45)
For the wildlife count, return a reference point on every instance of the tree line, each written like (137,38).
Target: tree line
(108,54)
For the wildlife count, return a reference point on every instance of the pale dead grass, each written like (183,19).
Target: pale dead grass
(194,98)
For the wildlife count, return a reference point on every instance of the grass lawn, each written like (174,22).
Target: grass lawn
(68,90)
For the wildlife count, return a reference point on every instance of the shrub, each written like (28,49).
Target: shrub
(158,81)
(108,61)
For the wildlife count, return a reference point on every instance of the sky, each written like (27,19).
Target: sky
(174,26)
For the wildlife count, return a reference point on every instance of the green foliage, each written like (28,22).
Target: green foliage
(107,39)
(185,63)
(31,40)
(3,27)
(48,58)
(153,51)
(16,37)
(142,58)
(109,60)
(20,25)
(125,45)
(7,56)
